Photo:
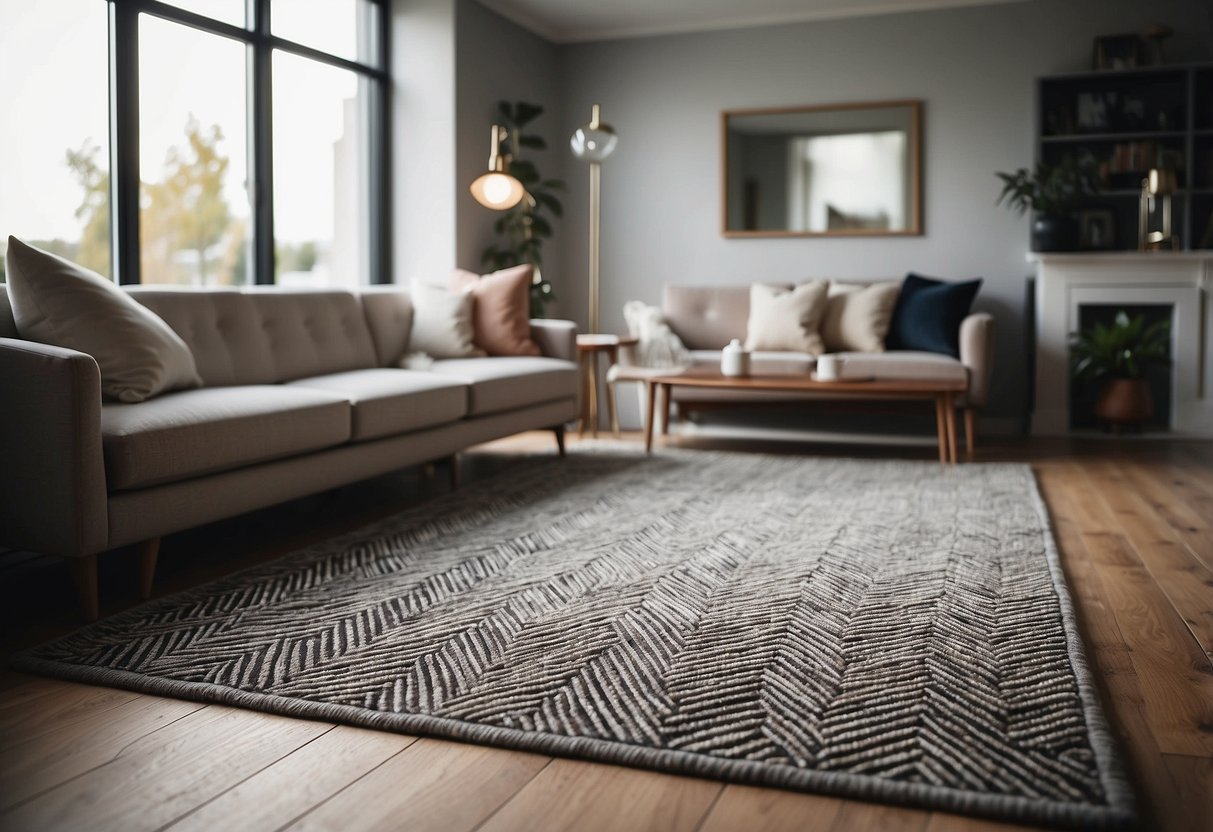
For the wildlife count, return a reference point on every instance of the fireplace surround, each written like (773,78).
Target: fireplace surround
(1068,283)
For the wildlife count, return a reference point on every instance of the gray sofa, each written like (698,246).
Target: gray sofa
(706,318)
(301,394)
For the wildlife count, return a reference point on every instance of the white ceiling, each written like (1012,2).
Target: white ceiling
(567,21)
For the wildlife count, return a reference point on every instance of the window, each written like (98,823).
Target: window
(54,146)
(193,161)
(235,145)
(320,173)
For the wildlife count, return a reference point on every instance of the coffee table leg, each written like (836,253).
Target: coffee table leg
(941,428)
(651,397)
(666,391)
(950,406)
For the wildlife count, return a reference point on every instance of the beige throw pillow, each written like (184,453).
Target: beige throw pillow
(786,319)
(442,323)
(57,302)
(857,316)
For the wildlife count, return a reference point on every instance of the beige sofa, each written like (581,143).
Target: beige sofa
(706,318)
(301,394)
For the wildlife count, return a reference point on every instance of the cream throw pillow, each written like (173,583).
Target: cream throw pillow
(442,323)
(857,316)
(786,319)
(57,302)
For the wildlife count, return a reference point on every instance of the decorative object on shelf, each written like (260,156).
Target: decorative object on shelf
(1155,35)
(734,360)
(1051,192)
(523,225)
(497,189)
(1121,353)
(1117,52)
(1154,212)
(593,143)
(1097,229)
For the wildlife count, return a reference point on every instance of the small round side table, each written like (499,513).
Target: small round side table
(589,347)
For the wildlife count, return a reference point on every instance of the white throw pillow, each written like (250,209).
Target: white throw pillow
(786,319)
(443,325)
(658,346)
(857,316)
(57,302)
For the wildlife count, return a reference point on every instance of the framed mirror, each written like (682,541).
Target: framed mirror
(833,170)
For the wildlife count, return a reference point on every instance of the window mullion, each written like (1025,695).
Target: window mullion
(261,105)
(124,140)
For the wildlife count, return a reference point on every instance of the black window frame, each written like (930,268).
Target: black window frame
(261,44)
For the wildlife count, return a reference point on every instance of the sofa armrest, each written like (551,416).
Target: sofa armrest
(977,354)
(52,492)
(557,339)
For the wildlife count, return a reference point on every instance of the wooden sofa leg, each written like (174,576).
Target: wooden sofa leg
(84,575)
(559,431)
(453,462)
(970,431)
(149,551)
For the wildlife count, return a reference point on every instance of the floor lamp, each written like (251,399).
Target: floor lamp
(592,143)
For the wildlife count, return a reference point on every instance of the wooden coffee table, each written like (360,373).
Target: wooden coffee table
(942,392)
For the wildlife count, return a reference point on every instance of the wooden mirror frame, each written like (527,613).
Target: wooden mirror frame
(915,225)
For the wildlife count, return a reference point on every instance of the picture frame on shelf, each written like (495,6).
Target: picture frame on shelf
(1097,229)
(1117,52)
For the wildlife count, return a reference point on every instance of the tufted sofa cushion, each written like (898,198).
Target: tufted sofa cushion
(263,336)
(707,318)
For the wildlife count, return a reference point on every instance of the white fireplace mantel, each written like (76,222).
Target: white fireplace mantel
(1183,280)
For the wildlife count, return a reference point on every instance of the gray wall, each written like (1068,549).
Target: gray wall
(974,68)
(497,60)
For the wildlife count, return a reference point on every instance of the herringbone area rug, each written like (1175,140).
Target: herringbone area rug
(894,631)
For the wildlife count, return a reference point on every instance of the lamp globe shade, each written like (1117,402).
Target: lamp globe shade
(595,141)
(498,191)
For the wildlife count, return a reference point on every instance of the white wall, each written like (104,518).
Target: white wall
(423,124)
(974,68)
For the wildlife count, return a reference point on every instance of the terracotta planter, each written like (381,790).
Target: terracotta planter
(1125,401)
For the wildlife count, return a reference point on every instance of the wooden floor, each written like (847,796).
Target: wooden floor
(1134,520)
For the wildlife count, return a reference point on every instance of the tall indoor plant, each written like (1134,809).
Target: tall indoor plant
(525,226)
(1050,192)
(1119,354)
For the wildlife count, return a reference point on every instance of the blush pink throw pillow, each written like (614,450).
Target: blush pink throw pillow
(503,309)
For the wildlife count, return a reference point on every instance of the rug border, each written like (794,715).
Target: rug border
(1118,811)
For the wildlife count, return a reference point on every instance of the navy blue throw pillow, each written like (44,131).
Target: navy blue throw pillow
(928,314)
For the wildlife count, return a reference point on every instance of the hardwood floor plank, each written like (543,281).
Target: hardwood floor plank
(45,705)
(51,759)
(1193,528)
(300,781)
(431,785)
(1193,777)
(1186,582)
(571,794)
(771,810)
(165,774)
(941,822)
(870,817)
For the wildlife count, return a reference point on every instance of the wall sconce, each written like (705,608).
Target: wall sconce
(1154,212)
(497,189)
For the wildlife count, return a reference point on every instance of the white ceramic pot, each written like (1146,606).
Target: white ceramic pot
(734,360)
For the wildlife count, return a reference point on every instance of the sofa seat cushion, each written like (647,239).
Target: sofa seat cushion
(506,383)
(762,363)
(194,432)
(903,365)
(388,401)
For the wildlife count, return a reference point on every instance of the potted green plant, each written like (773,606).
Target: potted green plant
(525,226)
(1120,354)
(1051,193)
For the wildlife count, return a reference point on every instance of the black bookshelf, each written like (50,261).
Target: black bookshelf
(1128,121)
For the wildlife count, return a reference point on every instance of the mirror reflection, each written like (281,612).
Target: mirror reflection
(842,169)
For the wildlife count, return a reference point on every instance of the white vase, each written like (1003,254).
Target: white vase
(734,360)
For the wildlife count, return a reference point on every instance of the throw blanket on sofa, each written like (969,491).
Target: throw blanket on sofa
(659,346)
